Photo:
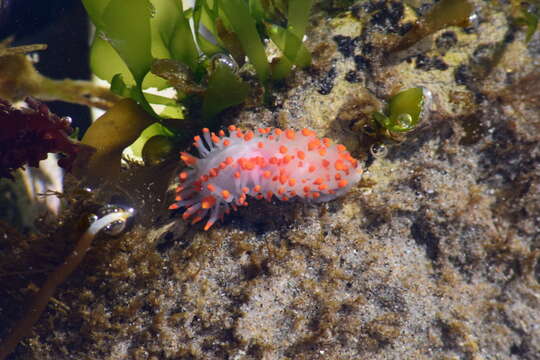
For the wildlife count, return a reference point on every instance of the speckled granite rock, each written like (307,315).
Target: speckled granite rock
(436,255)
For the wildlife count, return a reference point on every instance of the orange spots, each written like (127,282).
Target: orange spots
(237,175)
(340,148)
(315,195)
(211,187)
(239,134)
(232,128)
(260,144)
(314,144)
(197,138)
(249,135)
(208,202)
(312,168)
(261,131)
(281,190)
(301,155)
(245,190)
(292,182)
(215,139)
(284,198)
(225,194)
(283,149)
(327,142)
(241,199)
(339,165)
(183,175)
(278,131)
(226,142)
(290,134)
(307,132)
(221,133)
(269,195)
(283,178)
(188,159)
(249,165)
(318,181)
(196,220)
(186,215)
(206,130)
(307,188)
(342,183)
(287,159)
(323,187)
(325,163)
(337,177)
(229,160)
(257,188)
(267,174)
(322,152)
(260,161)
(208,225)
(173,206)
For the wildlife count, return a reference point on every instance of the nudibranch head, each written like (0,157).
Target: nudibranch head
(266,163)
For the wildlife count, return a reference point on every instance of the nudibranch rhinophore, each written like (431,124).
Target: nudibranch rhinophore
(262,164)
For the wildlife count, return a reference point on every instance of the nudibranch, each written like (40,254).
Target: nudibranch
(266,163)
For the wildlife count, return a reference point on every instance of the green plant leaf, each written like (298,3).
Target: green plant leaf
(530,20)
(298,16)
(95,9)
(162,25)
(106,63)
(152,130)
(294,52)
(237,13)
(128,31)
(405,109)
(225,89)
(291,45)
(181,42)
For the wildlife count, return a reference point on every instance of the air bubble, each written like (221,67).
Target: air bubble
(224,59)
(404,120)
(378,150)
(115,228)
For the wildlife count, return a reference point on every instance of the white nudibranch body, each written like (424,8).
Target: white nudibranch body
(262,164)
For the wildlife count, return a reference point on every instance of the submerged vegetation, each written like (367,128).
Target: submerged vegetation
(158,44)
(404,112)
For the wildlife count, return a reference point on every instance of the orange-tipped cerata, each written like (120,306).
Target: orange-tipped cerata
(263,163)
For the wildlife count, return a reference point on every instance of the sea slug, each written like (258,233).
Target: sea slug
(266,163)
